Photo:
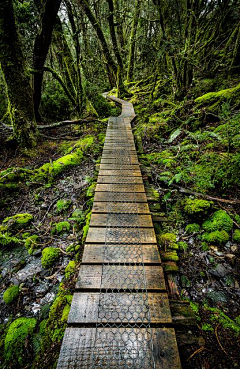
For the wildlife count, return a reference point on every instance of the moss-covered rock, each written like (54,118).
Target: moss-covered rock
(17,339)
(218,237)
(18,221)
(70,268)
(11,294)
(61,227)
(169,256)
(31,243)
(236,235)
(196,207)
(62,205)
(168,240)
(192,228)
(49,256)
(220,220)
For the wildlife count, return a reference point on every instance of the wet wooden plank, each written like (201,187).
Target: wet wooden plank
(121,220)
(121,235)
(115,187)
(119,197)
(120,207)
(118,172)
(131,277)
(77,348)
(119,179)
(117,160)
(123,307)
(98,253)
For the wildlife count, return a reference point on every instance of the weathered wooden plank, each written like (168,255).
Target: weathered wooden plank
(131,277)
(98,253)
(116,160)
(89,347)
(120,165)
(115,187)
(120,207)
(121,235)
(118,172)
(119,179)
(120,197)
(121,220)
(123,307)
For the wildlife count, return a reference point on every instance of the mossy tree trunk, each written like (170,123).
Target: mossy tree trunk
(41,47)
(131,58)
(19,90)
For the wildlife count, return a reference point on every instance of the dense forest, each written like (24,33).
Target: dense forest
(178,62)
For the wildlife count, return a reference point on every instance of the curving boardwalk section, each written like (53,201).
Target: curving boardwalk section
(120,315)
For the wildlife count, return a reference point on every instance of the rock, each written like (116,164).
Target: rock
(35,308)
(30,270)
(49,297)
(220,271)
(230,258)
(234,248)
(217,296)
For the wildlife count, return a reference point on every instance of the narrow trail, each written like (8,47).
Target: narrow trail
(120,315)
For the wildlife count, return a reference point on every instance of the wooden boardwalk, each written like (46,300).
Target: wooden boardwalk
(120,315)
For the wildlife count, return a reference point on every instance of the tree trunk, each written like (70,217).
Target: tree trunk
(20,93)
(131,58)
(41,46)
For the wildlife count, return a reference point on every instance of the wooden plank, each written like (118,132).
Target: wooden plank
(118,172)
(120,220)
(85,347)
(120,207)
(123,307)
(133,161)
(119,179)
(121,235)
(115,187)
(98,253)
(119,197)
(120,165)
(131,277)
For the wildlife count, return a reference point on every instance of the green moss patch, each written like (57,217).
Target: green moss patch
(220,220)
(236,235)
(218,237)
(70,269)
(61,227)
(63,205)
(7,240)
(31,243)
(49,256)
(17,339)
(192,228)
(196,207)
(168,240)
(18,221)
(10,294)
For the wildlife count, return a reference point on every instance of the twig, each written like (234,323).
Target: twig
(52,203)
(196,352)
(216,334)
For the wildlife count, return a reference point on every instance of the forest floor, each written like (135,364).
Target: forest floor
(176,160)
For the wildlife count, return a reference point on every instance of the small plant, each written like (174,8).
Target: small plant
(168,240)
(70,269)
(63,205)
(18,221)
(236,235)
(207,327)
(192,228)
(49,256)
(7,240)
(61,227)
(31,243)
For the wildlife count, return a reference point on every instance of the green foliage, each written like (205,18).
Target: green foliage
(49,256)
(218,237)
(91,189)
(11,294)
(220,220)
(70,269)
(218,316)
(86,227)
(61,227)
(196,207)
(236,235)
(18,221)
(192,228)
(55,105)
(183,245)
(31,243)
(63,205)
(16,340)
(207,327)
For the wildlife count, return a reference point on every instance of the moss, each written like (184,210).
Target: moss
(169,256)
(59,311)
(18,221)
(218,316)
(196,207)
(7,240)
(192,228)
(61,227)
(168,240)
(49,256)
(70,269)
(31,243)
(17,339)
(63,205)
(218,237)
(86,227)
(207,327)
(215,98)
(220,220)
(10,294)
(236,235)
(182,245)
